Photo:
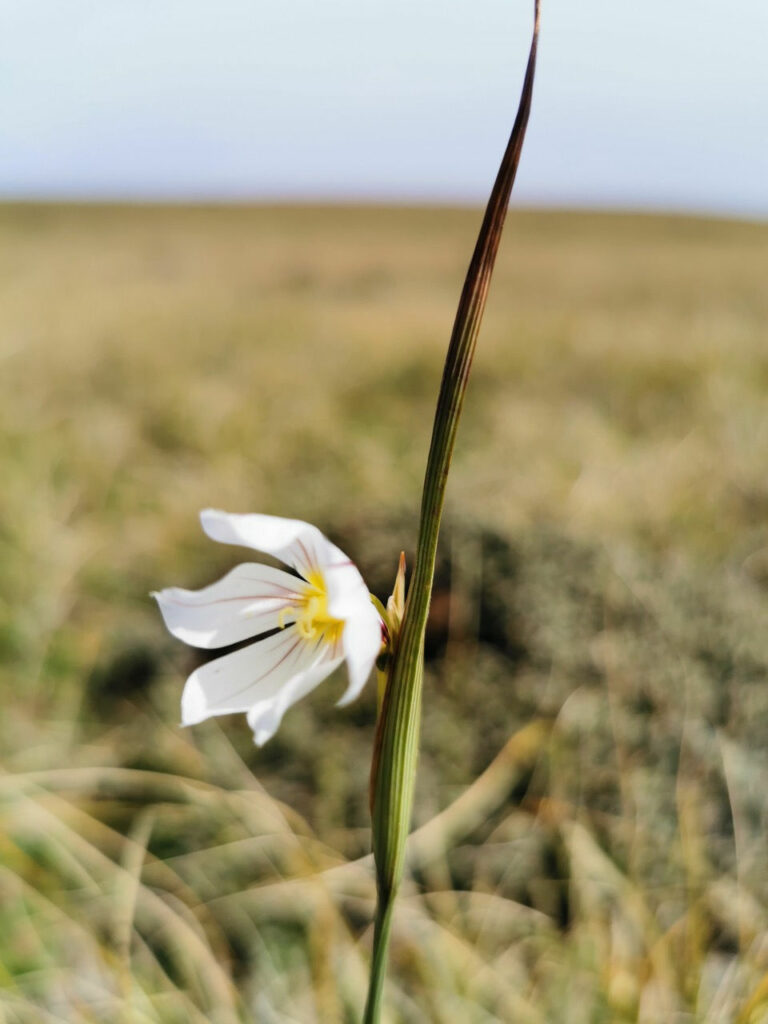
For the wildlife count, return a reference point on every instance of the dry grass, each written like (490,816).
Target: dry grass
(607,865)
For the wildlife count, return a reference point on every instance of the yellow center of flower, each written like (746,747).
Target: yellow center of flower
(313,621)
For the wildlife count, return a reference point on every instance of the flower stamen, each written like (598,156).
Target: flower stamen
(313,621)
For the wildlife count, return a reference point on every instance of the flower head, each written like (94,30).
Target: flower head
(303,626)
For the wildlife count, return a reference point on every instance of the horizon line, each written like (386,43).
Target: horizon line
(203,199)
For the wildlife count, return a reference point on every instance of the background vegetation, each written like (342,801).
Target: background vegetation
(592,806)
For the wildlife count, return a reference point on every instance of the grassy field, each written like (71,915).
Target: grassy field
(592,808)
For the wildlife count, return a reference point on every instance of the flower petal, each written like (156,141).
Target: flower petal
(345,587)
(265,716)
(361,641)
(246,602)
(293,541)
(349,600)
(240,680)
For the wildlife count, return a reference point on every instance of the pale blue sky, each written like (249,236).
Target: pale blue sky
(661,103)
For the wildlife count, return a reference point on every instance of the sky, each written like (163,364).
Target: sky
(655,104)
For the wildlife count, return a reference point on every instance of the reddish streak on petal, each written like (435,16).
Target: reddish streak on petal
(271,669)
(223,600)
(304,551)
(280,586)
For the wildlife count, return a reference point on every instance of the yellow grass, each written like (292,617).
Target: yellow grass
(606,865)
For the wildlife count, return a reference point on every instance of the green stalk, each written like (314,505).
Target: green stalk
(381,932)
(394,762)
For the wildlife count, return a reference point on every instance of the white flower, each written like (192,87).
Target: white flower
(323,617)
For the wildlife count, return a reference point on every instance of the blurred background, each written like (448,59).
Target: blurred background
(232,238)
